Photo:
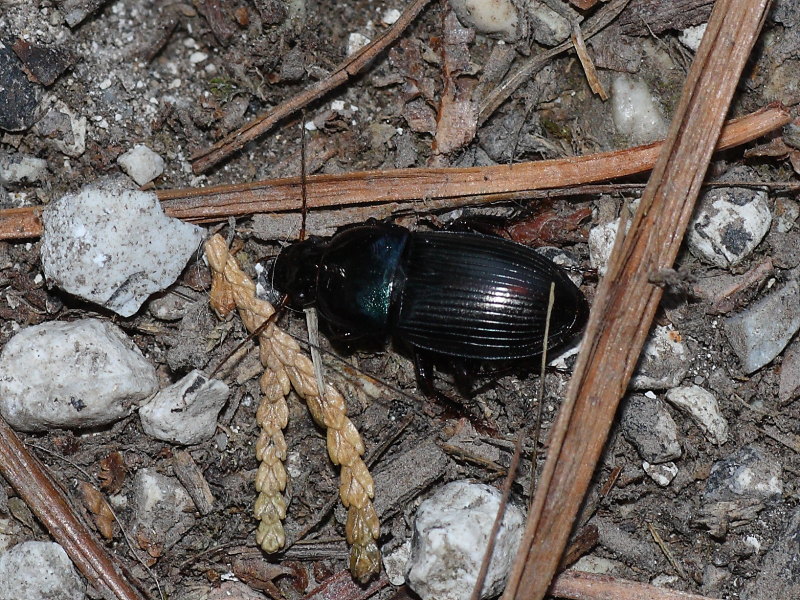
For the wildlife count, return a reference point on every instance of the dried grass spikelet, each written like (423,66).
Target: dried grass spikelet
(286,366)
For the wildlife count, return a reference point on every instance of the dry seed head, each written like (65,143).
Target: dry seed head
(286,366)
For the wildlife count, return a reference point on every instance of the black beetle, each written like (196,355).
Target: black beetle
(465,296)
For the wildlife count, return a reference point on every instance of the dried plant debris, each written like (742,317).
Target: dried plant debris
(287,367)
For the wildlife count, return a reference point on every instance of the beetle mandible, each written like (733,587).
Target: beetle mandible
(465,296)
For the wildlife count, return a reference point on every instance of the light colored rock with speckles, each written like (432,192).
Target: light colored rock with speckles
(141,164)
(451,531)
(74,375)
(491,17)
(760,332)
(664,361)
(636,113)
(702,406)
(729,222)
(185,412)
(114,246)
(39,571)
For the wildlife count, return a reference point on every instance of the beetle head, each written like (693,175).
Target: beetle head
(295,271)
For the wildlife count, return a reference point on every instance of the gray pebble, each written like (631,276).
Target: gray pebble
(114,246)
(185,412)
(759,333)
(749,473)
(647,424)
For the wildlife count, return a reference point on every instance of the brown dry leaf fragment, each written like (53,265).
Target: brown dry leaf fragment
(406,58)
(342,587)
(113,471)
(154,549)
(259,574)
(96,504)
(419,116)
(220,23)
(191,477)
(457,119)
(794,159)
(551,228)
(587,64)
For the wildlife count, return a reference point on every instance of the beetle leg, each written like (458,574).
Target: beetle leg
(423,366)
(463,377)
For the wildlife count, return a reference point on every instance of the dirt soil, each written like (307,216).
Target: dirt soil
(177,76)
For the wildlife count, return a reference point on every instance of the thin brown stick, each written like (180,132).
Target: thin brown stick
(398,185)
(351,66)
(586,62)
(30,480)
(626,301)
(441,188)
(576,585)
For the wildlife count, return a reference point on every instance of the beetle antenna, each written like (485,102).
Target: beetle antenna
(303,177)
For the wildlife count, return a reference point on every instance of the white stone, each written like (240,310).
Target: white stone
(636,113)
(664,360)
(491,17)
(390,16)
(601,242)
(710,228)
(702,406)
(72,375)
(692,36)
(729,222)
(141,164)
(662,474)
(114,246)
(197,57)
(394,563)
(355,42)
(39,571)
(21,168)
(451,532)
(185,412)
(753,542)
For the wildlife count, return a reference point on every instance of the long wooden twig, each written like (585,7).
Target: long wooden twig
(626,301)
(439,188)
(352,65)
(576,585)
(30,480)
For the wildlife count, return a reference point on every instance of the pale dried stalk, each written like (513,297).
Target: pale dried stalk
(287,367)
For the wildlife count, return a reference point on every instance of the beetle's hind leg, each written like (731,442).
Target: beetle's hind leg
(423,367)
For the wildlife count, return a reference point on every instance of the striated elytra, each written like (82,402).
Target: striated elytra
(464,296)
